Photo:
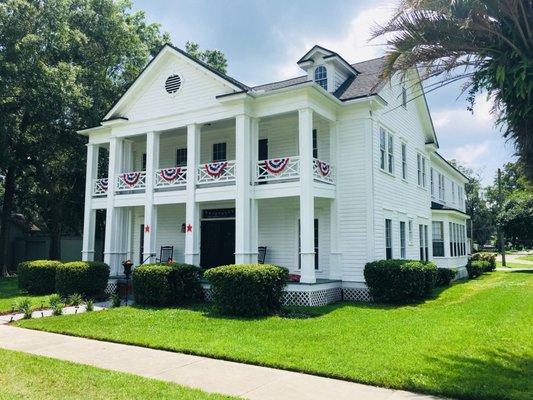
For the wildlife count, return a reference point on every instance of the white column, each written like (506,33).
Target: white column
(307,206)
(150,210)
(192,209)
(335,271)
(254,206)
(89,215)
(243,181)
(112,228)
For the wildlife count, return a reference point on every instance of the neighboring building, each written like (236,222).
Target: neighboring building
(328,171)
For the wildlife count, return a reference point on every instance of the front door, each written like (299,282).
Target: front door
(217,243)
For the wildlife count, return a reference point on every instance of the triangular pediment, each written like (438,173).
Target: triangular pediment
(173,82)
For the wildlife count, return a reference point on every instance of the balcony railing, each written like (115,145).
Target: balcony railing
(277,169)
(129,181)
(216,172)
(171,177)
(323,171)
(100,187)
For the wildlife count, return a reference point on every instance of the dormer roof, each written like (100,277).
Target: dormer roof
(328,55)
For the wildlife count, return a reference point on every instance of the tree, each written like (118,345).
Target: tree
(488,42)
(62,62)
(214,58)
(482,225)
(516,219)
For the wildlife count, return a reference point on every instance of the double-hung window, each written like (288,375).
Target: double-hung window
(441,187)
(402,240)
(315,144)
(390,153)
(382,148)
(404,96)
(404,161)
(219,151)
(431,182)
(438,239)
(423,239)
(321,77)
(386,151)
(453,192)
(181,157)
(421,167)
(388,239)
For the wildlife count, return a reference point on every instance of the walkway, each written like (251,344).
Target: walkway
(247,381)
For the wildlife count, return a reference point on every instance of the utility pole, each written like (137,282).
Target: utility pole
(500,231)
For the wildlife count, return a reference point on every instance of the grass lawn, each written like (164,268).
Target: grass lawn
(10,293)
(473,341)
(25,376)
(526,257)
(513,265)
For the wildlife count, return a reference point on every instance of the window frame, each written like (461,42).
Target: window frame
(404,97)
(214,152)
(179,155)
(315,143)
(437,241)
(386,148)
(403,240)
(388,239)
(421,171)
(321,76)
(404,160)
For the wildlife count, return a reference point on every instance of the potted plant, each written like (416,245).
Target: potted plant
(127,264)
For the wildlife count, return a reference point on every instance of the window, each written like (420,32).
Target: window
(219,151)
(423,239)
(453,192)
(404,161)
(441,187)
(404,97)
(421,166)
(388,239)
(431,182)
(410,231)
(315,144)
(321,77)
(460,196)
(391,154)
(382,147)
(181,157)
(402,239)
(438,239)
(450,226)
(143,162)
(315,244)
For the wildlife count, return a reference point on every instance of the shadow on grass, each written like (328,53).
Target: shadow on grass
(500,375)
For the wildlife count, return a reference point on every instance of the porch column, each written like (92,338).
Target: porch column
(192,211)
(112,228)
(89,215)
(335,255)
(243,188)
(307,204)
(254,219)
(150,210)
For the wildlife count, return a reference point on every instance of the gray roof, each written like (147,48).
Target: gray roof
(366,83)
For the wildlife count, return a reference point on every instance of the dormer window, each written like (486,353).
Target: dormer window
(321,77)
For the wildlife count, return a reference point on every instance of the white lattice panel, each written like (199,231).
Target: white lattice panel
(356,294)
(170,177)
(290,171)
(100,187)
(227,173)
(314,298)
(135,180)
(323,171)
(111,288)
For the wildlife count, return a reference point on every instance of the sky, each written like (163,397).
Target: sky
(262,41)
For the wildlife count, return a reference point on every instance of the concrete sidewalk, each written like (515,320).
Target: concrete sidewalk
(225,377)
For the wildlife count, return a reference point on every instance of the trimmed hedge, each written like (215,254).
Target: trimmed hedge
(88,278)
(166,284)
(247,289)
(400,281)
(490,258)
(445,276)
(38,276)
(476,268)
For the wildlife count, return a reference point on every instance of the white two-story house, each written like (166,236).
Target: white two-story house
(323,172)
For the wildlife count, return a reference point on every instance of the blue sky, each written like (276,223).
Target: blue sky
(263,40)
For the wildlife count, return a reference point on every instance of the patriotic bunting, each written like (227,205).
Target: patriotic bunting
(276,165)
(215,169)
(103,184)
(170,174)
(131,178)
(323,167)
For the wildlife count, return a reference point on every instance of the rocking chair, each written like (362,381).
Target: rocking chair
(261,254)
(166,254)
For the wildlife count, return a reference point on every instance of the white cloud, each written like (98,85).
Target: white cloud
(471,155)
(353,44)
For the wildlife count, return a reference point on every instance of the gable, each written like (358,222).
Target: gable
(194,85)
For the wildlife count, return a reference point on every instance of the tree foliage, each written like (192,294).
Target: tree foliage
(215,58)
(489,42)
(516,219)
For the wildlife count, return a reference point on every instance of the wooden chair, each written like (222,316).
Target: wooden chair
(261,254)
(166,254)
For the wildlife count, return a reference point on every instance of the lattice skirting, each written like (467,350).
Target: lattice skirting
(111,288)
(208,296)
(313,298)
(356,294)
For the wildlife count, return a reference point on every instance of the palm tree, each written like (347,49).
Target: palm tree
(488,42)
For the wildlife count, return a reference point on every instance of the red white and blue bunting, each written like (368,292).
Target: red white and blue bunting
(323,167)
(276,165)
(170,174)
(131,178)
(103,184)
(215,169)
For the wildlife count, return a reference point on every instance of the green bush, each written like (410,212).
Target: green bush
(400,281)
(89,278)
(166,284)
(490,258)
(445,276)
(476,268)
(38,277)
(248,289)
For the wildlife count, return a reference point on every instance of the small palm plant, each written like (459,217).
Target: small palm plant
(24,306)
(89,305)
(56,304)
(115,300)
(75,300)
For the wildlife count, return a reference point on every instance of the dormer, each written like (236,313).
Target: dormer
(326,68)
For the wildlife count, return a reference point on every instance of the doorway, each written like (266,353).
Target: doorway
(217,242)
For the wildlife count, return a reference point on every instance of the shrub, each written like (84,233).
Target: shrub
(490,258)
(476,268)
(115,300)
(445,276)
(248,290)
(24,306)
(54,300)
(88,278)
(75,300)
(399,281)
(89,305)
(166,284)
(38,276)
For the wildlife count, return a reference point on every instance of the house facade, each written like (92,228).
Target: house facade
(323,173)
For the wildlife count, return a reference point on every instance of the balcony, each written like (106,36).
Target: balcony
(288,168)
(131,181)
(175,177)
(216,172)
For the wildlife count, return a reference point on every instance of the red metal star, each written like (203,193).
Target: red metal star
(189,228)
(147,228)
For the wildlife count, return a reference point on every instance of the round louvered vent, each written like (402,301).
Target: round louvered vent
(173,84)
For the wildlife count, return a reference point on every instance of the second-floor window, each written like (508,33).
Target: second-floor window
(181,157)
(431,182)
(143,162)
(386,148)
(453,192)
(404,161)
(315,144)
(321,77)
(421,167)
(441,188)
(219,151)
(404,96)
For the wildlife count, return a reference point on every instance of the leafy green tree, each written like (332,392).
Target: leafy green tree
(487,42)
(516,219)
(214,58)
